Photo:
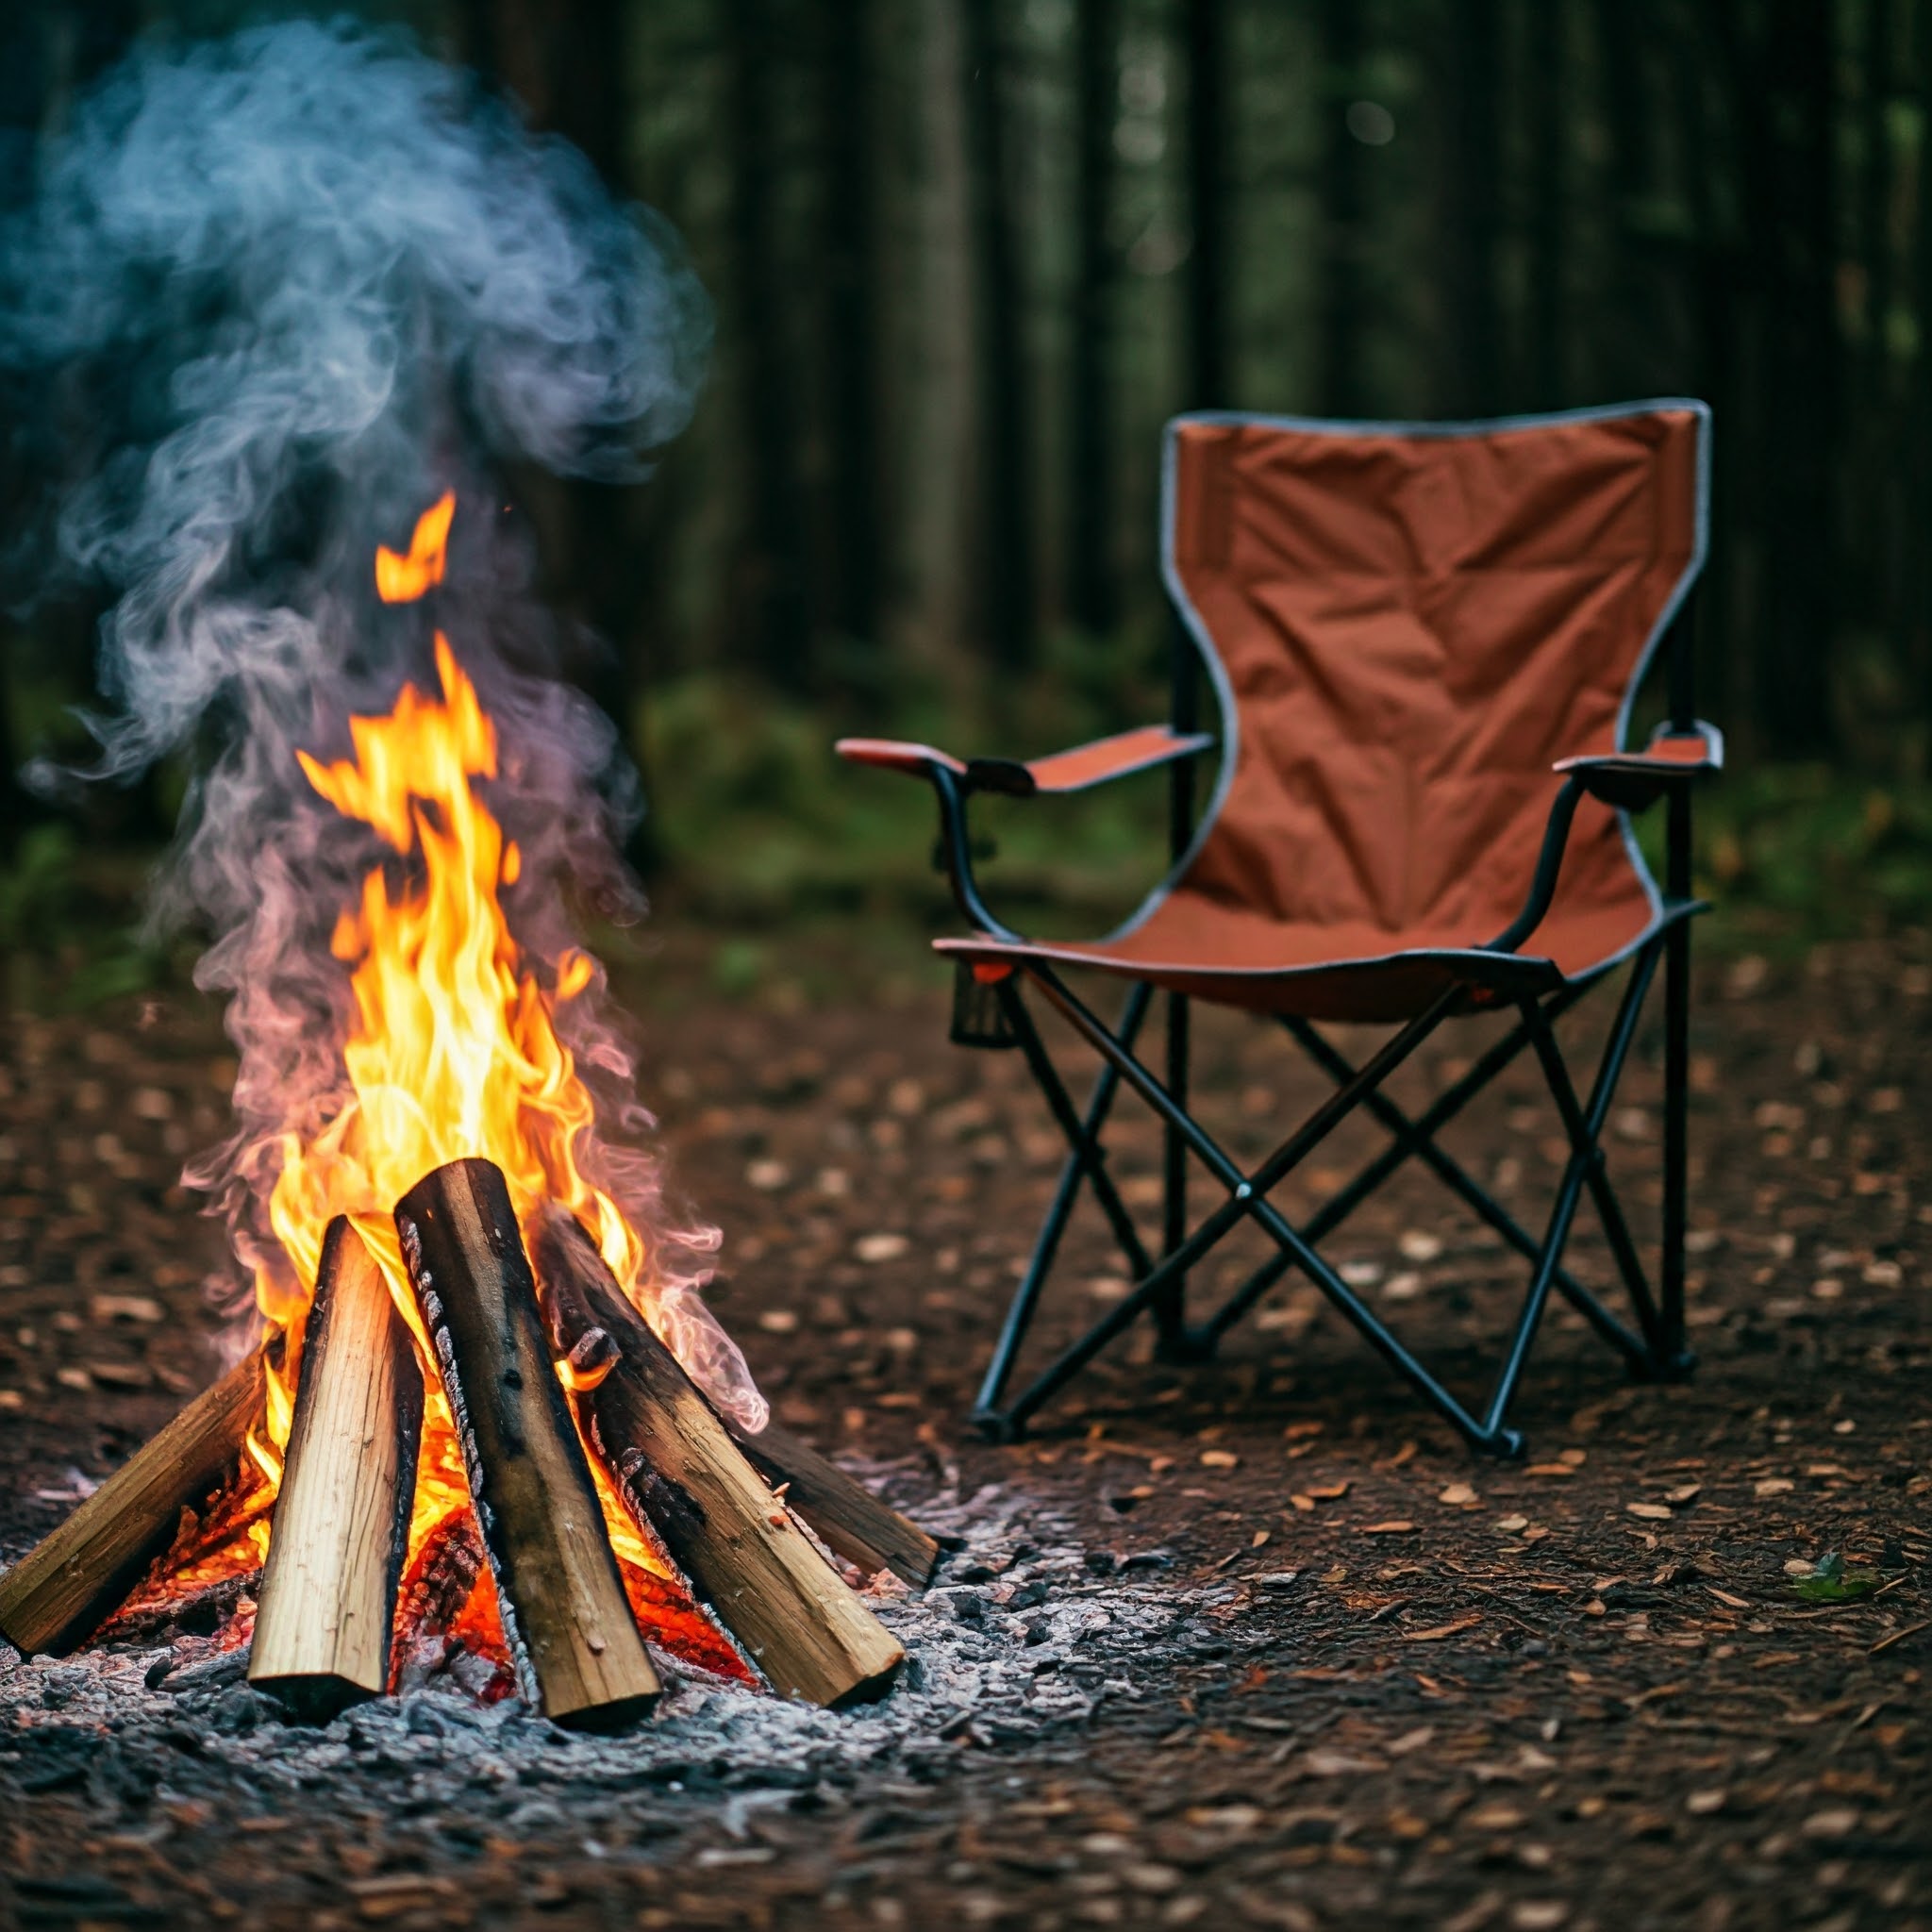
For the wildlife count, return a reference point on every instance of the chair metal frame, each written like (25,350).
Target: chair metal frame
(1654,1348)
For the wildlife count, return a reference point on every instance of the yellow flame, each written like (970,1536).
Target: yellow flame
(452,1051)
(402,579)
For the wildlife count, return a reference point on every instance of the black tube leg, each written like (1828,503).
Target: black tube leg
(1677,1360)
(985,1411)
(1173,1339)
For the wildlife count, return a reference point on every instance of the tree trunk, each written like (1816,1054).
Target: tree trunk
(1091,602)
(847,97)
(1342,310)
(1007,536)
(1471,378)
(1873,475)
(1920,407)
(1627,312)
(1546,78)
(1208,359)
(573,1641)
(1699,65)
(773,614)
(1802,375)
(566,62)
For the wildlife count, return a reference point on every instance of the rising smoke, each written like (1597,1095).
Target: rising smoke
(329,279)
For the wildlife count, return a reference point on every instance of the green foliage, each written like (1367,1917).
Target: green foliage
(1832,1583)
(758,821)
(1811,852)
(63,934)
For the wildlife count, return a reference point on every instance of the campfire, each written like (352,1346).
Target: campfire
(466,1437)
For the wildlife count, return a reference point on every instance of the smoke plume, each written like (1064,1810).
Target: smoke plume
(323,280)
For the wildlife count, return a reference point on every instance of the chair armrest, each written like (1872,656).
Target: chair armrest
(1633,779)
(1062,771)
(1629,781)
(898,755)
(954,780)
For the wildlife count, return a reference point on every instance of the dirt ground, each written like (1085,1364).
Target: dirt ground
(1581,1690)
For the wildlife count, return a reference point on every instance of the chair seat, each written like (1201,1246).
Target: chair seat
(1194,944)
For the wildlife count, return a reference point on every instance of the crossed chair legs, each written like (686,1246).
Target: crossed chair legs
(1655,1347)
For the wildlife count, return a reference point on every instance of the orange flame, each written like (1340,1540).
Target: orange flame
(402,579)
(453,1050)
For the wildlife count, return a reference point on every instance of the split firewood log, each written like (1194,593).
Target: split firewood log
(341,1520)
(684,1479)
(573,1641)
(65,1587)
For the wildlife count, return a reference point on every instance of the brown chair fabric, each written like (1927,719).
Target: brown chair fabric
(1408,630)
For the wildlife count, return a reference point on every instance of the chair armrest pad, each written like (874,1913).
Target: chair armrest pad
(897,754)
(1061,771)
(1633,779)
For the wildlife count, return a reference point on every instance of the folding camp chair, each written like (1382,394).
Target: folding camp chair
(1426,642)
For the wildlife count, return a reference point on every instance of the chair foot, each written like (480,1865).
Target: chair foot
(997,1426)
(1186,1346)
(1506,1445)
(1663,1367)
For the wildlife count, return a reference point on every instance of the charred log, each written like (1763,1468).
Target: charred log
(573,1642)
(684,1478)
(342,1521)
(62,1590)
(846,1517)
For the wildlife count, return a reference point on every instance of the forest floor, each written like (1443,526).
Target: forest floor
(1585,1690)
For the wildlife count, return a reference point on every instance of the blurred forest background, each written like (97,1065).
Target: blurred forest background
(967,254)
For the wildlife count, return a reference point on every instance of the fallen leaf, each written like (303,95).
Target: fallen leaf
(1329,1492)
(1495,1817)
(1399,1526)
(1220,1459)
(1458,1496)
(1774,1486)
(121,1375)
(126,1307)
(880,1247)
(1441,1631)
(1649,1512)
(1838,1821)
(1538,1914)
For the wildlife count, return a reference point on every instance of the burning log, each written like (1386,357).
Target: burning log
(848,1519)
(342,1521)
(681,1475)
(572,1637)
(60,1591)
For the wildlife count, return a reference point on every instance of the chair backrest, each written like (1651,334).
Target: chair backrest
(1407,626)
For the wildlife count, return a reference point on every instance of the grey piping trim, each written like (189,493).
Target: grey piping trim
(1320,425)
